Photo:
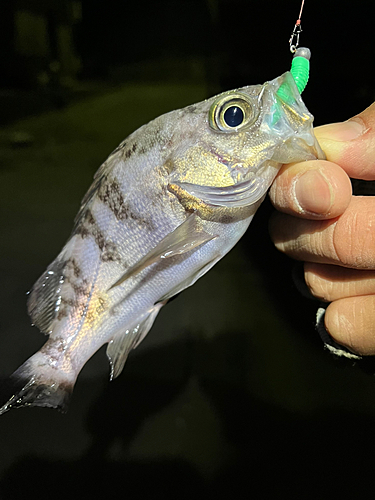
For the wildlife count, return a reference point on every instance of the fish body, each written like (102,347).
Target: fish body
(166,205)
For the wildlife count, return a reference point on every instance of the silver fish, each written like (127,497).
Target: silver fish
(165,207)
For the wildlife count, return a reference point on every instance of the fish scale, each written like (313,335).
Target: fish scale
(165,207)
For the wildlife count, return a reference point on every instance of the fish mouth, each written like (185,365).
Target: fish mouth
(301,147)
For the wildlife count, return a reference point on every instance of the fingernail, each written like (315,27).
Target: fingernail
(343,131)
(313,193)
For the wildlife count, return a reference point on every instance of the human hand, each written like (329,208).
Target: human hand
(333,231)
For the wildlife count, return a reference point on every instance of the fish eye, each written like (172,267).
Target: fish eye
(233,116)
(231,112)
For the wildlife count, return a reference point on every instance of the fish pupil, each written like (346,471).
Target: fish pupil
(233,116)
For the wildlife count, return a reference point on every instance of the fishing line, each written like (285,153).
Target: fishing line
(297,30)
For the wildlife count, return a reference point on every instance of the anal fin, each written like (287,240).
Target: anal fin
(119,348)
(184,238)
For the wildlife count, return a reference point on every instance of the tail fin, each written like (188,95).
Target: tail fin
(36,383)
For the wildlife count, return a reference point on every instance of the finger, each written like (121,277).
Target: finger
(351,322)
(351,144)
(347,241)
(313,189)
(329,283)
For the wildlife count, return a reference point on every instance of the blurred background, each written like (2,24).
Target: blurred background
(231,395)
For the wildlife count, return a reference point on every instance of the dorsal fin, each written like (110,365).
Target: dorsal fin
(44,296)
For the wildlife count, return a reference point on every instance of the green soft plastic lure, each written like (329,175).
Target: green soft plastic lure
(299,70)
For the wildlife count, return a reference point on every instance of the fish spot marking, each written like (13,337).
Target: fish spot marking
(73,265)
(110,194)
(89,227)
(62,313)
(129,152)
(110,253)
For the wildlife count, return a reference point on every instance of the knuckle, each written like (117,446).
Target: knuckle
(319,288)
(354,236)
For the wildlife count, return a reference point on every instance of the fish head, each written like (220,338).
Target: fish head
(239,139)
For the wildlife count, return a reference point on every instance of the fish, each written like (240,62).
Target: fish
(168,203)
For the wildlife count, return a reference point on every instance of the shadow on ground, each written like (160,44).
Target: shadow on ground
(192,435)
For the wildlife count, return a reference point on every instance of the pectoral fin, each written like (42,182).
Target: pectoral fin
(119,348)
(239,195)
(184,238)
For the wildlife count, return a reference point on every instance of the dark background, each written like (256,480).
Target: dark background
(231,395)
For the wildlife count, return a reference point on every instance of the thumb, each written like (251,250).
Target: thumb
(351,144)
